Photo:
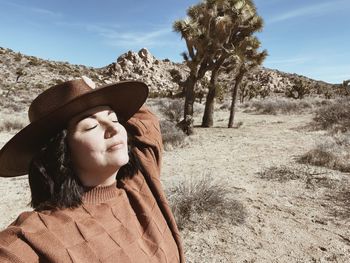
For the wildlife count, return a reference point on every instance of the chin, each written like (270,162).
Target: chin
(122,160)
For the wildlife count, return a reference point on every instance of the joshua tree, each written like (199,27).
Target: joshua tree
(231,22)
(248,57)
(346,86)
(299,89)
(212,31)
(195,58)
(19,72)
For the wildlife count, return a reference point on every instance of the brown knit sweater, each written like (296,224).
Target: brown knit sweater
(129,221)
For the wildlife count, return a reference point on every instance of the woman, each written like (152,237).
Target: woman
(93,157)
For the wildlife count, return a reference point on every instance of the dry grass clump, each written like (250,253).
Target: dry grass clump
(333,153)
(277,105)
(340,202)
(313,178)
(280,173)
(334,117)
(202,202)
(10,123)
(173,109)
(335,191)
(171,135)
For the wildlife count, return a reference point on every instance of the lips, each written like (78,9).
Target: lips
(115,146)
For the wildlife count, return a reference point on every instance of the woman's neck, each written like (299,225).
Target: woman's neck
(97,178)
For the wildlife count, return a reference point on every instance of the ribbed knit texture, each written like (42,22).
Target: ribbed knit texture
(125,222)
(95,195)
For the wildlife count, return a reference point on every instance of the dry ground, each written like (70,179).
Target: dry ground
(290,221)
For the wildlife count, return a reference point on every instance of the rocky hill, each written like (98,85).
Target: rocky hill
(20,73)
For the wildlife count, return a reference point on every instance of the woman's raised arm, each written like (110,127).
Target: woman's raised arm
(145,134)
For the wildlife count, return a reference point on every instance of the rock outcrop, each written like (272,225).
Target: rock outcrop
(23,77)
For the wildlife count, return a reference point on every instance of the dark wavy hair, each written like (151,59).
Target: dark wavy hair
(52,180)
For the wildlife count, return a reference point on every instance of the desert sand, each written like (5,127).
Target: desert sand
(291,221)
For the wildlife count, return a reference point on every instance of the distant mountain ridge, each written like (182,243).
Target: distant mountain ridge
(20,73)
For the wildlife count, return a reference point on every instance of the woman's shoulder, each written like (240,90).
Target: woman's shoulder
(13,248)
(28,220)
(35,221)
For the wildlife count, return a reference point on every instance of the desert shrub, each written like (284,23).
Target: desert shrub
(171,135)
(40,86)
(33,61)
(225,105)
(277,105)
(333,117)
(17,57)
(203,202)
(312,177)
(298,89)
(12,106)
(172,109)
(281,173)
(333,153)
(340,202)
(12,123)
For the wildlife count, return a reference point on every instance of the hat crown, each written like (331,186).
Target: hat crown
(56,97)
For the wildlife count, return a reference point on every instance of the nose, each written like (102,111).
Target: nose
(111,129)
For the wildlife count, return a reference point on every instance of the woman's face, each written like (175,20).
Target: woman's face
(98,144)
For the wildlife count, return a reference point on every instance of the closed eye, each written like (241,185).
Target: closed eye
(88,129)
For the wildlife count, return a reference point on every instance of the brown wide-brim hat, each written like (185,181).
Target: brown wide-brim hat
(51,111)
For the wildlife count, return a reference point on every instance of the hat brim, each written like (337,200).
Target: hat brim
(125,98)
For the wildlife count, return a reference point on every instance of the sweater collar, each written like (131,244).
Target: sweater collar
(99,194)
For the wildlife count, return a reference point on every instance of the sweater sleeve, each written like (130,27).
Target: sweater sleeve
(14,249)
(145,134)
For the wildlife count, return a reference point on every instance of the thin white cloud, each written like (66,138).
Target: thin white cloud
(37,10)
(312,10)
(117,37)
(46,12)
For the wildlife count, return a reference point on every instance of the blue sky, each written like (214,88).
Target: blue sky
(307,37)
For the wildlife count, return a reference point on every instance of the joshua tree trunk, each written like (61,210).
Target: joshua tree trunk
(207,120)
(234,97)
(187,123)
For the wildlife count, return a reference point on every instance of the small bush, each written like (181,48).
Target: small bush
(333,117)
(15,123)
(280,173)
(333,153)
(203,202)
(311,177)
(171,135)
(17,57)
(173,109)
(12,106)
(277,105)
(33,61)
(340,202)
